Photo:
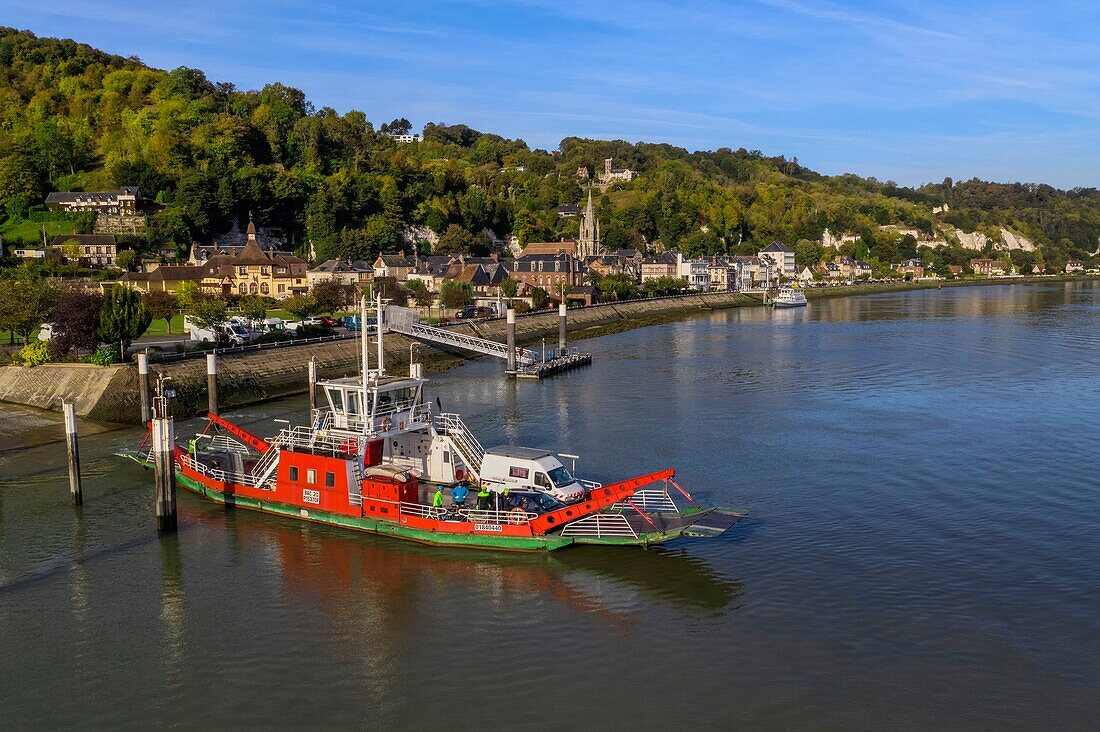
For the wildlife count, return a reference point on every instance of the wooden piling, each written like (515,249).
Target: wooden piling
(212,383)
(144,388)
(74,453)
(164,464)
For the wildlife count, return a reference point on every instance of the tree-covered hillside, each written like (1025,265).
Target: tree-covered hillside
(74,118)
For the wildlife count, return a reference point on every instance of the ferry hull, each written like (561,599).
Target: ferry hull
(377,526)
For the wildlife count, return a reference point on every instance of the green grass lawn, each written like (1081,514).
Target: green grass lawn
(30,231)
(156,328)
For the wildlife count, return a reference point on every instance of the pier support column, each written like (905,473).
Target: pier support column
(511,323)
(74,453)
(561,328)
(312,383)
(212,383)
(143,388)
(164,464)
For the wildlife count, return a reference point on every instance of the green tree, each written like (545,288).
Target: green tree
(329,295)
(455,240)
(208,313)
(509,287)
(124,317)
(187,294)
(540,298)
(162,306)
(75,318)
(301,306)
(126,258)
(253,307)
(808,253)
(26,300)
(456,294)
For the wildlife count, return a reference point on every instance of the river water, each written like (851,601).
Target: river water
(922,552)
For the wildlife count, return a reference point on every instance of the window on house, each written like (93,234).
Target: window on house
(294,472)
(282,289)
(330,480)
(264,289)
(242,270)
(264,270)
(311,476)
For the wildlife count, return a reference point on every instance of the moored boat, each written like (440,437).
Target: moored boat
(375,458)
(789,297)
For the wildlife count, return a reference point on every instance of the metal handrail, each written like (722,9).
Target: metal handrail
(600,525)
(649,499)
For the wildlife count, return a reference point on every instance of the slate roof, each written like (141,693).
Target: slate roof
(778,246)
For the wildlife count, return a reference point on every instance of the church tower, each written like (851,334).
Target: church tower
(588,243)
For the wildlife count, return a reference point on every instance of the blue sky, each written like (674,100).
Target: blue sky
(908,91)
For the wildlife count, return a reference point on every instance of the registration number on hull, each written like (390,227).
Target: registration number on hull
(487,527)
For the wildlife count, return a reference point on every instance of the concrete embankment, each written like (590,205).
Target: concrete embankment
(111,394)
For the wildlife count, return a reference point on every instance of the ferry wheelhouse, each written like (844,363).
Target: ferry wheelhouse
(374,456)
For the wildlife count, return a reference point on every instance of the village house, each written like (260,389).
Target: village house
(344,271)
(484,279)
(695,271)
(989,267)
(96,250)
(723,275)
(782,258)
(1074,265)
(662,265)
(852,269)
(567,211)
(1038,268)
(397,266)
(431,270)
(551,272)
(955,270)
(910,268)
(126,201)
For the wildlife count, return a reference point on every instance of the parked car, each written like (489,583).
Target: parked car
(316,321)
(328,322)
(351,322)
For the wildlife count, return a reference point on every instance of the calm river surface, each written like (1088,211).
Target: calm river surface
(923,549)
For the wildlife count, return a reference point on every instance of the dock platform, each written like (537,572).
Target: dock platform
(540,369)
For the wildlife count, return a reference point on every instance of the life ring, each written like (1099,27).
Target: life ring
(517,515)
(387,424)
(460,474)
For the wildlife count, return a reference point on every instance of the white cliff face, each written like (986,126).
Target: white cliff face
(1015,241)
(970,239)
(415,234)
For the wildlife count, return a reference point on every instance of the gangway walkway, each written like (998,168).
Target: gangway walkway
(462,441)
(406,322)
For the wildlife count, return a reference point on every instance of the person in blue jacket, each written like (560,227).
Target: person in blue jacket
(458,495)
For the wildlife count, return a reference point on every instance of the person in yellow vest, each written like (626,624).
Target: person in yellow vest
(437,501)
(483,498)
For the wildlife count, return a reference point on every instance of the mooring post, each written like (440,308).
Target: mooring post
(511,323)
(212,383)
(561,328)
(143,387)
(164,464)
(312,383)
(74,453)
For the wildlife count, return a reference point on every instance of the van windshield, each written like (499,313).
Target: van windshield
(560,476)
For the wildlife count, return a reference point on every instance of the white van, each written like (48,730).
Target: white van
(236,334)
(525,468)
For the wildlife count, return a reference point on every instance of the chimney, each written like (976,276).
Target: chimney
(495,257)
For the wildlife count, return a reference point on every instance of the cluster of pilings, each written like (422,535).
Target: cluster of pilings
(562,361)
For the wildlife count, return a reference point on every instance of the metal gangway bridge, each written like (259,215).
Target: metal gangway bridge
(406,321)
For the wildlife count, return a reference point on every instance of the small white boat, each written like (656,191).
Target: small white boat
(789,297)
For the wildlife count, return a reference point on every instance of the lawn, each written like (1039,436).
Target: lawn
(31,231)
(156,328)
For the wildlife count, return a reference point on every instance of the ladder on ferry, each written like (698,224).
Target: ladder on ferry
(462,441)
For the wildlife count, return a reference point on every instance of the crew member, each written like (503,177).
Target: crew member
(437,501)
(483,498)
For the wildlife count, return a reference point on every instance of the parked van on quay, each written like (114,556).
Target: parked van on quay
(525,468)
(234,333)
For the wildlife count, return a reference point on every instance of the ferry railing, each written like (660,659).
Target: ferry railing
(601,525)
(589,485)
(220,474)
(650,499)
(517,517)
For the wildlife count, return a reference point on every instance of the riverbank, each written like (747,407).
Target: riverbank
(110,394)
